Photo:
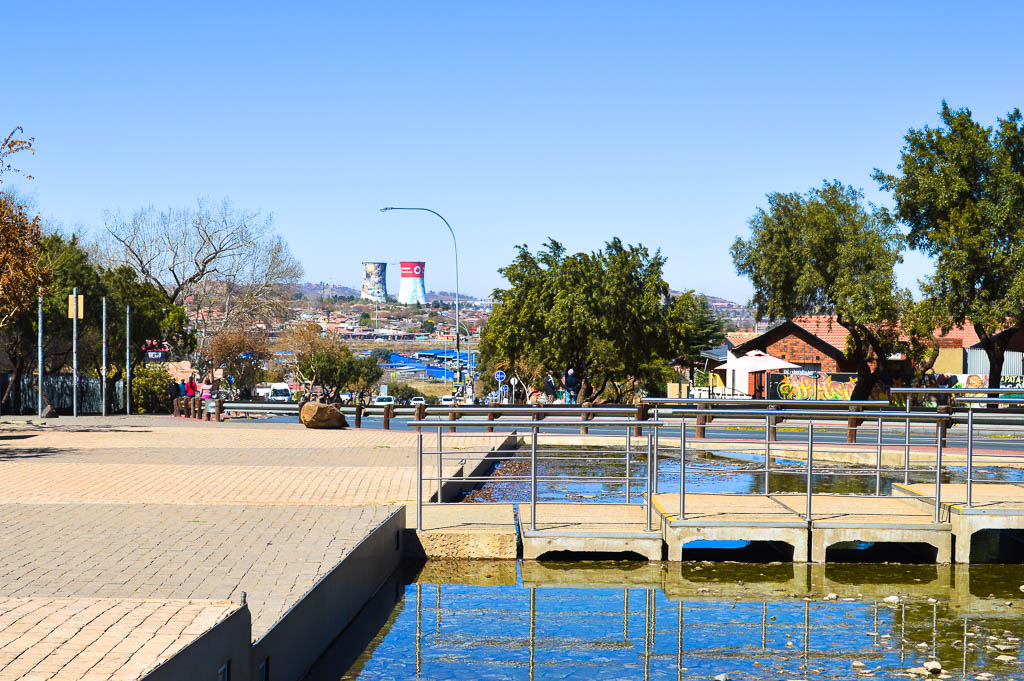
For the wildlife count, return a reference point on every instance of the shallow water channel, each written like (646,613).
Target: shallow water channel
(590,620)
(597,475)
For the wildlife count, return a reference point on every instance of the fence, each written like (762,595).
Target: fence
(59,392)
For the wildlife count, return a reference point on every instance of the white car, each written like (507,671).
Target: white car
(382,400)
(418,400)
(447,401)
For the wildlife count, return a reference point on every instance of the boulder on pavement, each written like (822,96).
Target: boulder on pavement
(320,415)
(49,412)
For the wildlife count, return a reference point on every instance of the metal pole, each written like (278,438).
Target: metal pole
(128,359)
(439,476)
(878,461)
(74,352)
(650,483)
(533,627)
(906,448)
(767,451)
(679,643)
(970,453)
(938,473)
(653,471)
(419,480)
(629,434)
(682,469)
(810,462)
(104,376)
(39,341)
(419,634)
(533,478)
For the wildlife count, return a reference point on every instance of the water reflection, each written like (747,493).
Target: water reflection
(683,621)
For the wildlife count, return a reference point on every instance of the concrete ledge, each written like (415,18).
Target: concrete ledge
(295,641)
(823,537)
(227,643)
(465,531)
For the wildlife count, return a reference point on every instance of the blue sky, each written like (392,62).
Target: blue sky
(663,123)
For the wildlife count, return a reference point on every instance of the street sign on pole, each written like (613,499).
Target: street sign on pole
(504,388)
(499,376)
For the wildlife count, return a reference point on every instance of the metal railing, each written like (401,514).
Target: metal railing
(809,470)
(972,437)
(534,427)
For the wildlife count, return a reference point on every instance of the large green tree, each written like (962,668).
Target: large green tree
(960,190)
(695,327)
(825,252)
(605,314)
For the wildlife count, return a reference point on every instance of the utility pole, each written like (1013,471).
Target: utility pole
(39,327)
(104,376)
(128,360)
(74,353)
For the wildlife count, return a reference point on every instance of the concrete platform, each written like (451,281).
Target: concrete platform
(722,517)
(837,519)
(463,531)
(588,528)
(993,507)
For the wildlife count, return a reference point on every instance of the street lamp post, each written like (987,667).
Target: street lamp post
(458,344)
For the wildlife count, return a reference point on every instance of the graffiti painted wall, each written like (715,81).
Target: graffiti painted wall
(811,386)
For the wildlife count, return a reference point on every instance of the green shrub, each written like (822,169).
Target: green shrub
(149,389)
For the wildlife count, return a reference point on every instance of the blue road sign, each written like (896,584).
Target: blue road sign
(504,388)
(231,379)
(499,375)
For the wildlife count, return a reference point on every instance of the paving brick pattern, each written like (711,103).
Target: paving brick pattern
(84,639)
(117,537)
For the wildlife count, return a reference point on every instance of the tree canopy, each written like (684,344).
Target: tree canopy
(607,315)
(825,252)
(960,190)
(319,360)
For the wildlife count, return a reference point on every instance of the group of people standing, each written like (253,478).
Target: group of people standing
(569,382)
(190,388)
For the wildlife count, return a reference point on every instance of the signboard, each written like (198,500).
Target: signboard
(503,388)
(499,375)
(156,356)
(71,307)
(231,379)
(513,380)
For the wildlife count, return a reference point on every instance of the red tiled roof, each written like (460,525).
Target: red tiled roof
(740,337)
(826,328)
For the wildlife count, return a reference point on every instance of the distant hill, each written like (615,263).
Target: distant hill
(738,314)
(314,290)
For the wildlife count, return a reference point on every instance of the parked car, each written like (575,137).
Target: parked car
(447,401)
(418,400)
(279,392)
(382,400)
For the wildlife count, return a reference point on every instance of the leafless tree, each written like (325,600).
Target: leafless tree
(226,266)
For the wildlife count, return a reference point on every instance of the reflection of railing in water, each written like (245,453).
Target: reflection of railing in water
(885,622)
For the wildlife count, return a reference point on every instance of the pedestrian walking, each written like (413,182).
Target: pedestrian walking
(550,387)
(172,393)
(572,385)
(182,388)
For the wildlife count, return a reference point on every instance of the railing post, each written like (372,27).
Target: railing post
(810,462)
(878,461)
(220,411)
(682,468)
(586,416)
(419,414)
(490,417)
(359,415)
(452,416)
(768,430)
(387,417)
(772,423)
(970,453)
(642,411)
(533,478)
(419,479)
(906,446)
(629,435)
(938,477)
(650,483)
(439,464)
(943,425)
(652,472)
(702,418)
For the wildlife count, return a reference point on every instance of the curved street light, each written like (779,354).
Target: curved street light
(458,334)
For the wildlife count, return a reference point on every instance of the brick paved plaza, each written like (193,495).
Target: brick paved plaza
(108,523)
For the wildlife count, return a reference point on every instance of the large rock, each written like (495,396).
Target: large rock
(320,415)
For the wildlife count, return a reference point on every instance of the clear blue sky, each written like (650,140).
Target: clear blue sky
(664,123)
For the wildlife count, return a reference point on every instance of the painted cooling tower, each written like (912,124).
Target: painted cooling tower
(412,290)
(375,283)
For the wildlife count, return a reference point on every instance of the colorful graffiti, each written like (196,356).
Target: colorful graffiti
(811,386)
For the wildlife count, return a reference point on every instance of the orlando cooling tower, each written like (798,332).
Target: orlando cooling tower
(412,290)
(375,283)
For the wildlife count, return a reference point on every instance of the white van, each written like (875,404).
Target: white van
(280,392)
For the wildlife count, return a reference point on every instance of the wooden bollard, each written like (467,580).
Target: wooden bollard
(387,416)
(359,416)
(851,427)
(699,424)
(220,410)
(490,417)
(206,412)
(942,426)
(452,416)
(186,408)
(174,407)
(773,422)
(419,413)
(197,408)
(643,411)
